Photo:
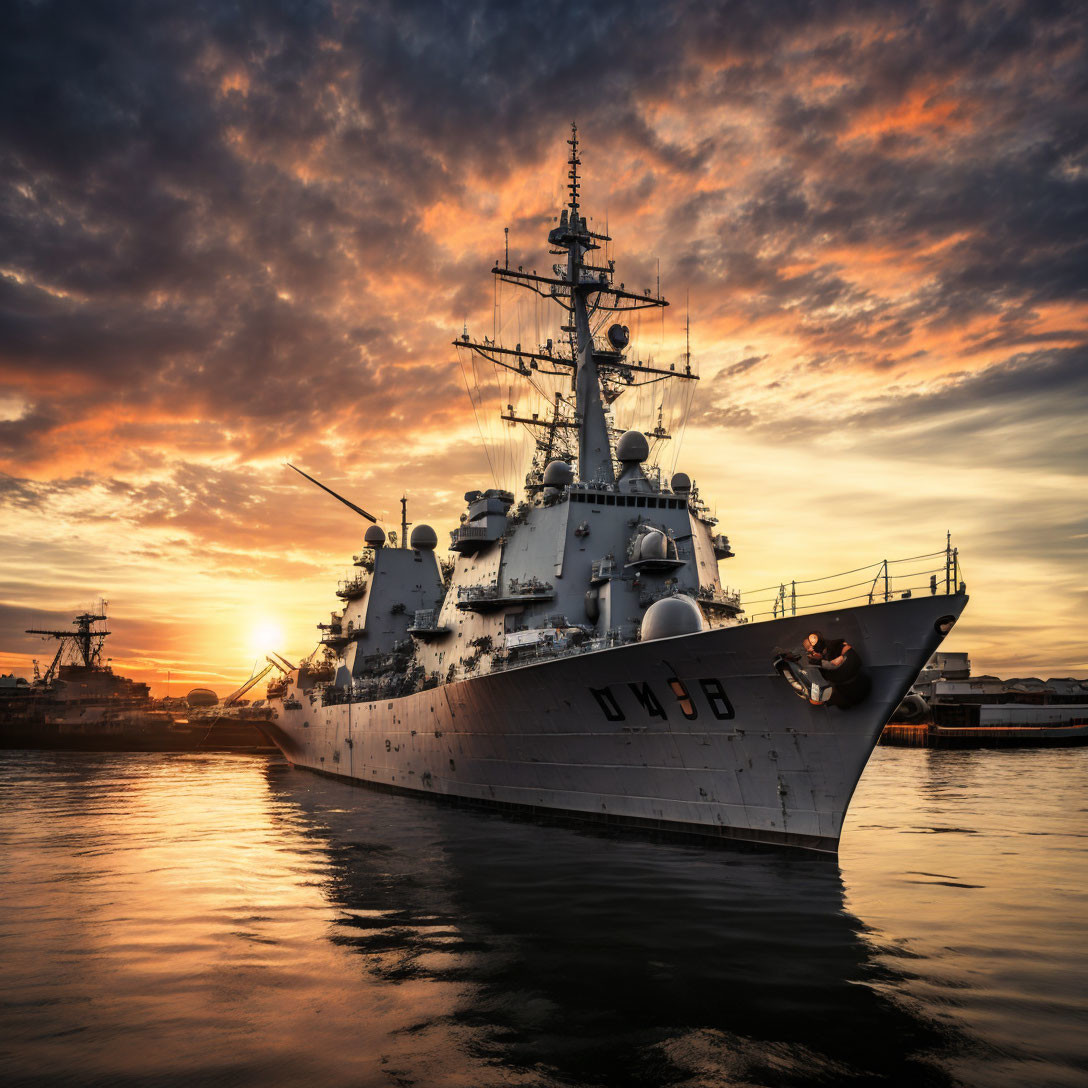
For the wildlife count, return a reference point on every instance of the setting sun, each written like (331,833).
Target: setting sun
(265,635)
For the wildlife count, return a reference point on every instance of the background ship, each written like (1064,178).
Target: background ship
(950,708)
(81,704)
(580,658)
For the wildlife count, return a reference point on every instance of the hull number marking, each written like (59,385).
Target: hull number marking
(642,696)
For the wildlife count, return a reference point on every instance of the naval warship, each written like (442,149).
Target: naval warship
(580,657)
(81,704)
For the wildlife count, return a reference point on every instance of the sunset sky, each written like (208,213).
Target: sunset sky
(233,235)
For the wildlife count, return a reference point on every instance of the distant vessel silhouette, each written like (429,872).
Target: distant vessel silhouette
(83,704)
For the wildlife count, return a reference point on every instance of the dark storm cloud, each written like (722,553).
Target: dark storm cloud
(16,619)
(200,201)
(1033,387)
(24,493)
(745,364)
(1025,227)
(1024,411)
(43,332)
(19,435)
(958,122)
(34,494)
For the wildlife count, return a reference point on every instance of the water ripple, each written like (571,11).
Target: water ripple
(214,919)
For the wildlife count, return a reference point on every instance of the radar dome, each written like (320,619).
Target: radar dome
(374,536)
(653,545)
(202,697)
(671,616)
(681,483)
(632,447)
(558,474)
(424,538)
(618,335)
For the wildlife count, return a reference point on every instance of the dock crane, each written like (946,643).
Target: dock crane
(275,661)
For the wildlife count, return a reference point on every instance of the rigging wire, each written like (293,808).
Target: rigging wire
(683,428)
(544,395)
(844,573)
(477,417)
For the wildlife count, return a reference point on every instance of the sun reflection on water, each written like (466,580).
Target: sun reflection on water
(225,917)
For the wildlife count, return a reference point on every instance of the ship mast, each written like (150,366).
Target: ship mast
(594,451)
(87,641)
(584,291)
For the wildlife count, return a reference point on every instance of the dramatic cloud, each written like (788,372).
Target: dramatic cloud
(232,235)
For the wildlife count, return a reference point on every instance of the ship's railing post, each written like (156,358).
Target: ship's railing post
(948,562)
(814,592)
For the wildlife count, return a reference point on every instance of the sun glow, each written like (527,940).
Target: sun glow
(265,635)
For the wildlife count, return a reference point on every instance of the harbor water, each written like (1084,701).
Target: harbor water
(180,919)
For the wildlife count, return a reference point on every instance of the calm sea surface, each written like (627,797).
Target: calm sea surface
(217,919)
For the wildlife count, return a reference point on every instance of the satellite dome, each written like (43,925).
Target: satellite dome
(632,447)
(374,536)
(671,616)
(618,335)
(681,483)
(424,538)
(653,545)
(558,474)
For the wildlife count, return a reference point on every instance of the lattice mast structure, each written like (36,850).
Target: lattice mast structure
(588,293)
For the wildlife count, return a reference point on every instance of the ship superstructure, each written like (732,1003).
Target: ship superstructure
(580,654)
(76,675)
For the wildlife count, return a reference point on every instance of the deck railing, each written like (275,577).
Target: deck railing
(884,580)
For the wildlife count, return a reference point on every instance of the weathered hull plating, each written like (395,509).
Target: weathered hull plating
(695,735)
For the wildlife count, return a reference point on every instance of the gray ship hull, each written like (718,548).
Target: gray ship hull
(697,735)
